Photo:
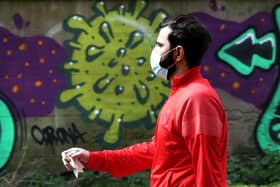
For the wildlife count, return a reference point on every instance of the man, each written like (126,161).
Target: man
(189,147)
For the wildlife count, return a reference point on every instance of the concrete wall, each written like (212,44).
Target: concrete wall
(57,92)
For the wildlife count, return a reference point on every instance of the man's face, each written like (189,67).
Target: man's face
(162,43)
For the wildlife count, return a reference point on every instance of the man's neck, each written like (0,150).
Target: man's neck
(181,68)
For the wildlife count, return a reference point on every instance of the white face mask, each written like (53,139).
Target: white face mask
(155,64)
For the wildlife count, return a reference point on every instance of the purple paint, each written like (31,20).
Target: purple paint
(29,71)
(255,88)
(213,4)
(18,21)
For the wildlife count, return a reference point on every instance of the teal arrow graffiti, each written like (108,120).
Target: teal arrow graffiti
(246,52)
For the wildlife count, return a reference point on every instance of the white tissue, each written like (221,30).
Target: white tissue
(77,166)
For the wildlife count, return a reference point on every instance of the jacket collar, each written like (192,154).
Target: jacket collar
(184,79)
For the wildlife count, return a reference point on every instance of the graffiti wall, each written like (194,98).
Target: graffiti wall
(77,74)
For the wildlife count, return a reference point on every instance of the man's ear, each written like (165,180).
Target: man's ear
(179,53)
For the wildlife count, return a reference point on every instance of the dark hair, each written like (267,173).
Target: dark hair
(191,34)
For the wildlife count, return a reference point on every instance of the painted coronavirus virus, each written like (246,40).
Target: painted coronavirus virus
(109,74)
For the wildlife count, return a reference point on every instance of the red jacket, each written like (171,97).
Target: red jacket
(189,147)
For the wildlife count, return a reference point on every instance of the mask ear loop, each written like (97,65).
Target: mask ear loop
(170,66)
(168,53)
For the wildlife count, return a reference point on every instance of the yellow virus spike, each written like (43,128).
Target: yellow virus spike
(157,19)
(111,135)
(94,113)
(79,23)
(93,50)
(74,45)
(136,38)
(122,10)
(71,66)
(139,7)
(69,95)
(106,29)
(100,7)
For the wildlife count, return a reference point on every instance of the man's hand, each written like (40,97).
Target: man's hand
(79,154)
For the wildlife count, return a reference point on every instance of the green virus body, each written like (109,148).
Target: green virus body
(109,72)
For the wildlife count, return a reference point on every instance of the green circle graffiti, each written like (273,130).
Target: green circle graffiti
(7,134)
(109,74)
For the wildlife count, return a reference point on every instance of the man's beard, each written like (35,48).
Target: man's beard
(168,62)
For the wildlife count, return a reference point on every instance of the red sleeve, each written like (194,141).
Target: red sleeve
(204,130)
(207,161)
(123,162)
